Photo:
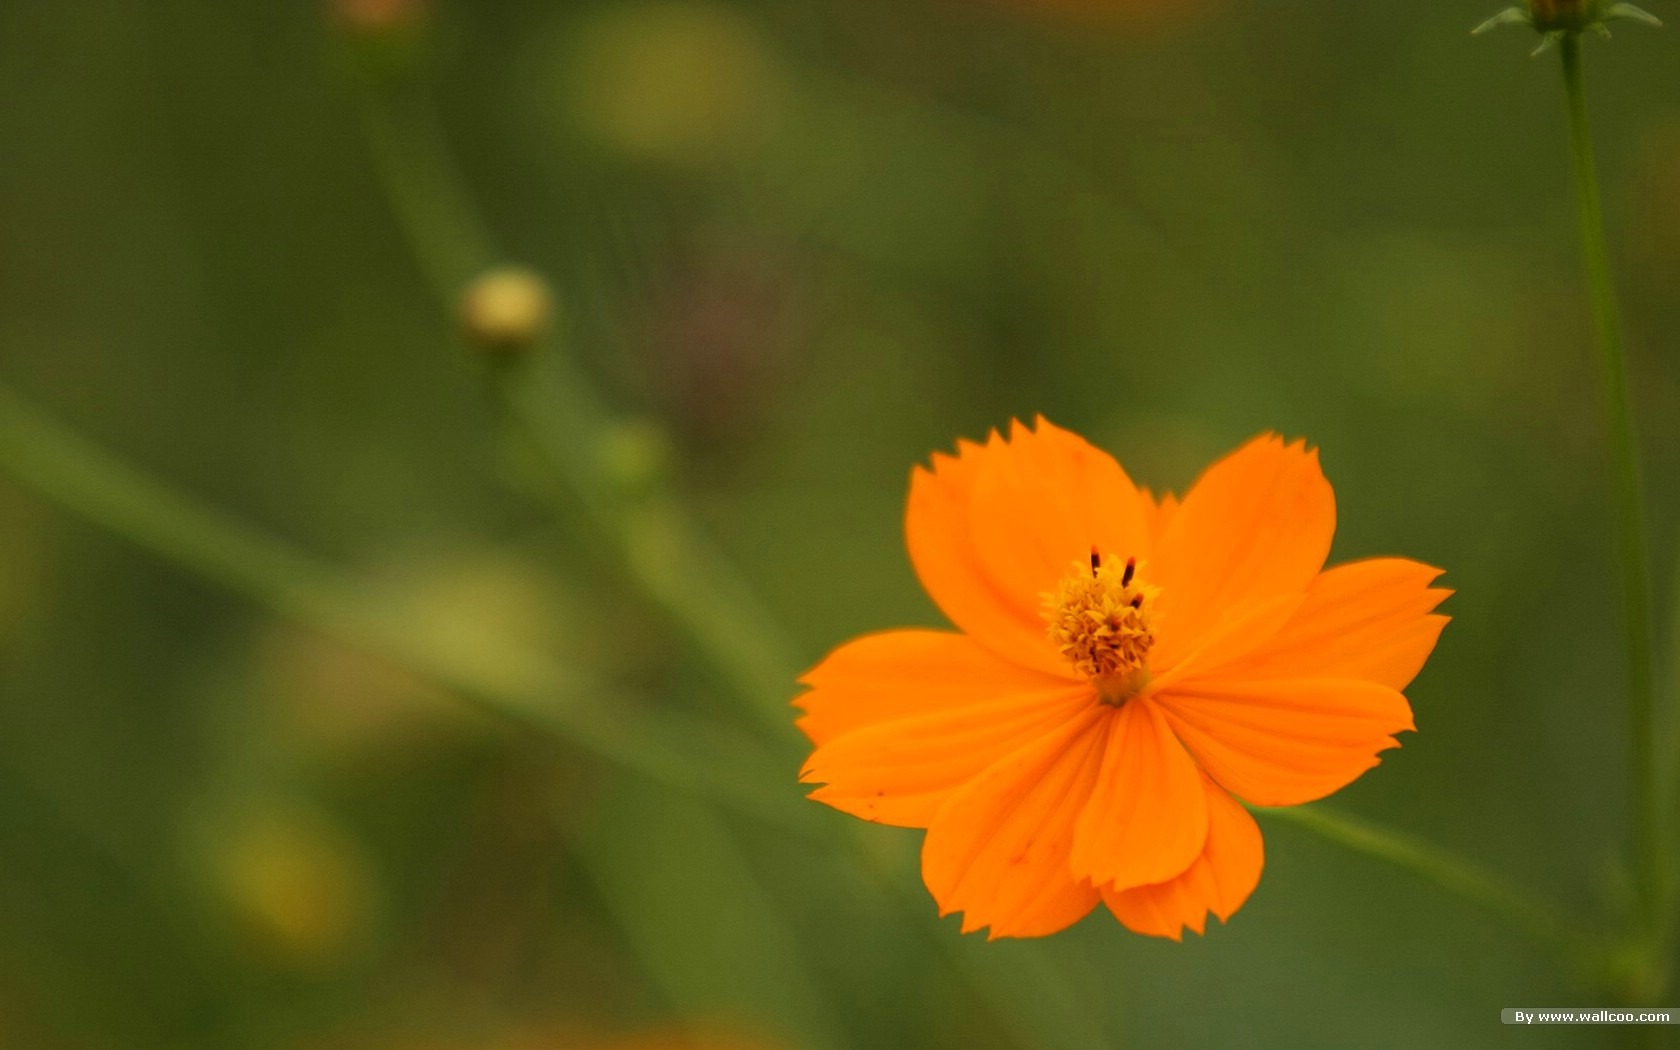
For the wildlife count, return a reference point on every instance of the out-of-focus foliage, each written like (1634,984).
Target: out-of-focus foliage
(812,242)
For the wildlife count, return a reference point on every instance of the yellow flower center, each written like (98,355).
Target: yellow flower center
(1100,618)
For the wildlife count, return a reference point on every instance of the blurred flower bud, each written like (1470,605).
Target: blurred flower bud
(381,40)
(379,17)
(1549,15)
(506,310)
(1555,18)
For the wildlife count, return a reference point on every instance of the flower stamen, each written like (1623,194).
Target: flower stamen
(1102,622)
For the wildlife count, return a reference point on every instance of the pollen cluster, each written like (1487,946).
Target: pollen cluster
(1100,619)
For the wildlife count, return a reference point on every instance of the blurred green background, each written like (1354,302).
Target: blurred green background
(809,244)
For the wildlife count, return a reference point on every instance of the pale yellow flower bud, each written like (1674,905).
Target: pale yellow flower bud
(506,310)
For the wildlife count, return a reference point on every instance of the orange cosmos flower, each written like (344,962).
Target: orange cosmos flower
(1124,671)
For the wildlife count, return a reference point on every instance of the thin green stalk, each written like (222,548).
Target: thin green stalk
(1534,917)
(1632,544)
(652,536)
(445,232)
(64,466)
(566,422)
(59,463)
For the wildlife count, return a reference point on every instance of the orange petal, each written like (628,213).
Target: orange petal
(998,849)
(938,531)
(903,674)
(1042,501)
(901,772)
(1146,820)
(994,528)
(1220,880)
(1230,641)
(1256,525)
(1279,742)
(1367,619)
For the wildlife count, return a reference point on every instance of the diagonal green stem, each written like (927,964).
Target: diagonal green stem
(1539,919)
(59,463)
(444,230)
(1632,545)
(56,461)
(652,536)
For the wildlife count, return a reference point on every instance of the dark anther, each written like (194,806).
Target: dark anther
(1131,567)
(1137,602)
(1096,561)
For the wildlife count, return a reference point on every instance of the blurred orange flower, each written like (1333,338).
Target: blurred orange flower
(1126,669)
(374,16)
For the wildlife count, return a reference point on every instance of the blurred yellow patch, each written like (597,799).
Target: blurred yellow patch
(674,81)
(489,616)
(484,615)
(335,702)
(299,887)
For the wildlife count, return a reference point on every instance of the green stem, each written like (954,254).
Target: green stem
(1538,919)
(446,235)
(652,536)
(64,466)
(1632,545)
(649,533)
